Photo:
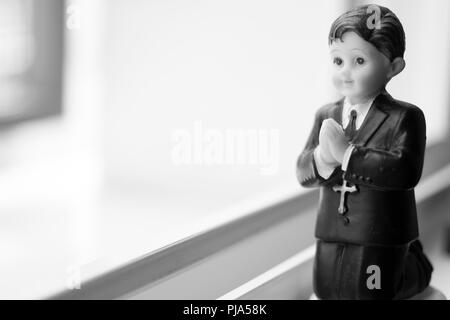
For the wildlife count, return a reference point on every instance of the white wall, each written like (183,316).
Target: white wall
(177,65)
(224,64)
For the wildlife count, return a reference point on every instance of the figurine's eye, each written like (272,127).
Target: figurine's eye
(360,61)
(337,61)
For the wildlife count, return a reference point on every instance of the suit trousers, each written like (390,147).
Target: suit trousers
(344,271)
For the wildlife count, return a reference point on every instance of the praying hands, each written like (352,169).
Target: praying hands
(332,142)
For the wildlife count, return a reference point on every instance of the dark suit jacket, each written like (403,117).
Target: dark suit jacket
(385,165)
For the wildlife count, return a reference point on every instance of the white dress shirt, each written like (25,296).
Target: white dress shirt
(325,169)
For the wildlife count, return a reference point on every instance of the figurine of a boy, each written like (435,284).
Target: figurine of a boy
(366,154)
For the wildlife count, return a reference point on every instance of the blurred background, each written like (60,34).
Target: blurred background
(128,125)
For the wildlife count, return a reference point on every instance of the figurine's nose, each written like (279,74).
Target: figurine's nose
(346,72)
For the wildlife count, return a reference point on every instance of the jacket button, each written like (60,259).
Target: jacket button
(346,220)
(354,176)
(368,179)
(361,178)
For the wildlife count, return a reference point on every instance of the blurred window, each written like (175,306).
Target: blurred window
(31,58)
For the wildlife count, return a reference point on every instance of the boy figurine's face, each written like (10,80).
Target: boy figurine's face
(360,71)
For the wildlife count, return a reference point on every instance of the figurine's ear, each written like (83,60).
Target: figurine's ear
(396,66)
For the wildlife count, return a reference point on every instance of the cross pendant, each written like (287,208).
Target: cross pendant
(343,190)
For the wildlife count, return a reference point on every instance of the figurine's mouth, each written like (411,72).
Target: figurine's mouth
(347,82)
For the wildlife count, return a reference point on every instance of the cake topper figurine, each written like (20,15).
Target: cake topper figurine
(366,154)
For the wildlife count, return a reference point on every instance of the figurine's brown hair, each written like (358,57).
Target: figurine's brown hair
(388,37)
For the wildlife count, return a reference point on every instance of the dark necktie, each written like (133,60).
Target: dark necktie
(351,128)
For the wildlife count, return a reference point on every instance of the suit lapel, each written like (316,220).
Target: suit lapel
(372,122)
(336,113)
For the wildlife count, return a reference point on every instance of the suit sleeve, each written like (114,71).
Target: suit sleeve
(307,173)
(399,167)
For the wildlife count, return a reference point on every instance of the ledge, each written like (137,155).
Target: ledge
(138,277)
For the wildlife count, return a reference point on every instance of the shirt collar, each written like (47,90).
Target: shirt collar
(361,109)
